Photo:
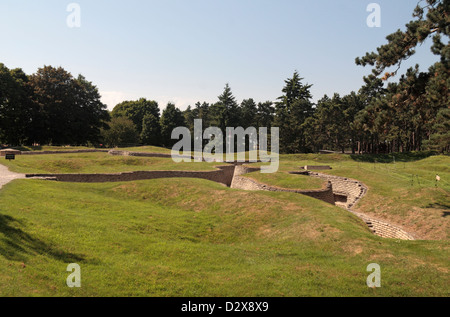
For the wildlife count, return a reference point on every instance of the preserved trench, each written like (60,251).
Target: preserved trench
(340,191)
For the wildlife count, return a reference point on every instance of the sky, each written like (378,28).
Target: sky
(185,51)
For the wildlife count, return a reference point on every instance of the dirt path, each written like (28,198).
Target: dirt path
(6,176)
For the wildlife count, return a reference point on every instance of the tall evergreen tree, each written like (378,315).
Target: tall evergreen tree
(248,111)
(292,110)
(227,109)
(265,114)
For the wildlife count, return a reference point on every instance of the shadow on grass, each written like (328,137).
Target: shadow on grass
(17,244)
(444,206)
(389,158)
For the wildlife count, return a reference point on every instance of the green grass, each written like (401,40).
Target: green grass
(147,149)
(195,238)
(191,237)
(283,179)
(97,163)
(40,148)
(405,193)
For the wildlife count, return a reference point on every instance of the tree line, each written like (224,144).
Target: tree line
(49,107)
(412,114)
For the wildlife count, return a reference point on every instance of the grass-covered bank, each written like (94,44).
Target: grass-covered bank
(405,192)
(182,237)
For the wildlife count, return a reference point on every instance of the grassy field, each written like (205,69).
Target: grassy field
(404,191)
(98,163)
(190,237)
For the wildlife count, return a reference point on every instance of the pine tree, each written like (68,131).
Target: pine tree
(292,110)
(419,96)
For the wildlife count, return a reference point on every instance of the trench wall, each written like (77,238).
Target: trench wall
(223,175)
(245,183)
(142,154)
(342,186)
(317,167)
(61,152)
(355,190)
(384,229)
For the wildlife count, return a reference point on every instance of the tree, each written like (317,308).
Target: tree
(265,114)
(292,110)
(228,109)
(248,113)
(91,114)
(151,130)
(331,127)
(136,111)
(440,138)
(352,105)
(121,131)
(68,110)
(171,118)
(15,106)
(189,116)
(431,20)
(419,96)
(54,92)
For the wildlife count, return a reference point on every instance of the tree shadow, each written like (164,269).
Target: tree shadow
(444,206)
(389,158)
(16,244)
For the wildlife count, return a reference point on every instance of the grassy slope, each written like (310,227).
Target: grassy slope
(404,193)
(186,237)
(170,238)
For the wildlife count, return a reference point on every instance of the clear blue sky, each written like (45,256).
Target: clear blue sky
(185,51)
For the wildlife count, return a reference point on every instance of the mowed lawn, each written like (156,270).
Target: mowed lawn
(191,237)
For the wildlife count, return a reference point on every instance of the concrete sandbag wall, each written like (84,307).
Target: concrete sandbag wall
(62,152)
(245,183)
(354,190)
